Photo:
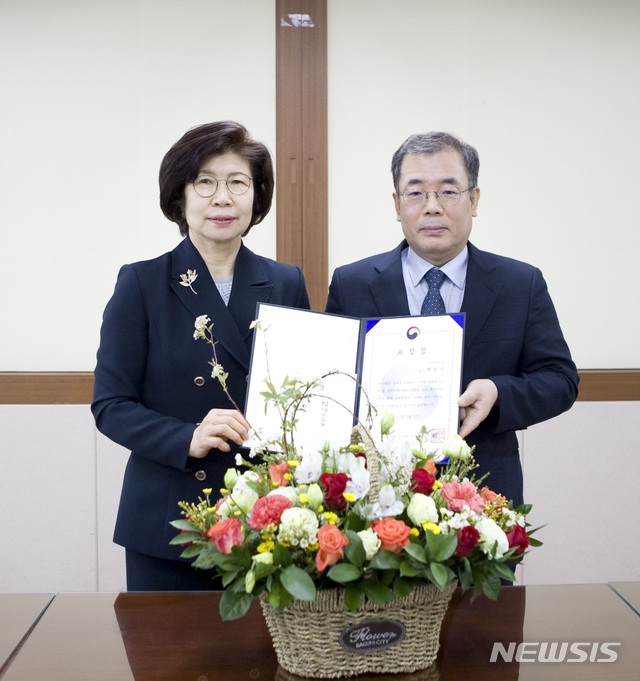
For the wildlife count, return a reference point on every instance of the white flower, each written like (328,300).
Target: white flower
(359,483)
(298,527)
(248,476)
(290,493)
(388,503)
(490,535)
(243,499)
(201,325)
(314,495)
(258,324)
(422,509)
(456,448)
(371,542)
(266,558)
(230,478)
(310,468)
(219,373)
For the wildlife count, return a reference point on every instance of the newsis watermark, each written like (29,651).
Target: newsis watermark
(555,651)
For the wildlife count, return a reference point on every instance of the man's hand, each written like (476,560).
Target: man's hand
(475,404)
(218,426)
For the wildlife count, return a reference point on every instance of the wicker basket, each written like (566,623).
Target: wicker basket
(325,640)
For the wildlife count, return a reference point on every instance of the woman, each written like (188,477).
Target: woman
(154,393)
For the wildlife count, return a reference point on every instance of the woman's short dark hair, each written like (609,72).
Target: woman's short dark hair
(183,162)
(432,143)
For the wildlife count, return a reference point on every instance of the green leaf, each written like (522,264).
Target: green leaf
(385,560)
(441,546)
(402,587)
(262,570)
(192,551)
(409,570)
(464,575)
(343,573)
(298,583)
(376,591)
(354,550)
(182,524)
(440,574)
(352,598)
(234,605)
(186,538)
(504,572)
(416,551)
(491,587)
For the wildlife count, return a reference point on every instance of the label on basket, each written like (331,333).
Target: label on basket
(371,636)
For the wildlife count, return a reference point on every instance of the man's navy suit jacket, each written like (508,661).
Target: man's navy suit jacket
(153,381)
(512,336)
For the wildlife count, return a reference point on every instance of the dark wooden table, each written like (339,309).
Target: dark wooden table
(180,637)
(18,614)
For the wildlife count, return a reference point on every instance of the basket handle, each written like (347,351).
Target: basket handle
(361,435)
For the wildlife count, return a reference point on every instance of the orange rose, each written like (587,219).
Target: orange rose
(430,466)
(331,541)
(491,497)
(393,534)
(226,534)
(277,472)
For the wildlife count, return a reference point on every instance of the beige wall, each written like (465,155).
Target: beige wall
(94,93)
(61,482)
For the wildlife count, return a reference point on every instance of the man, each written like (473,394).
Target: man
(517,368)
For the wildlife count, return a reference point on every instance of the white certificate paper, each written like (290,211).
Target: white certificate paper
(408,366)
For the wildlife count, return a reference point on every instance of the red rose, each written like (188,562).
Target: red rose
(334,486)
(517,537)
(423,481)
(468,537)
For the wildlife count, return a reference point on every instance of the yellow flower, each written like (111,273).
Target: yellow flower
(266,547)
(431,527)
(303,498)
(288,476)
(330,517)
(293,463)
(437,484)
(415,532)
(224,491)
(349,496)
(207,491)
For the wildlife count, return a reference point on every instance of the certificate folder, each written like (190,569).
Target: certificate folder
(410,367)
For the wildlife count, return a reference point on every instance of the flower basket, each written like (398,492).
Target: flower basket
(323,639)
(354,551)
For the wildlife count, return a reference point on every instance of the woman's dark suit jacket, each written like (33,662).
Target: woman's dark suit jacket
(153,380)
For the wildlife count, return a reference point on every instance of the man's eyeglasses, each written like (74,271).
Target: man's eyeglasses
(416,198)
(207,185)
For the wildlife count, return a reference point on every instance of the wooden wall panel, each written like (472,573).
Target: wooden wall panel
(301,141)
(77,387)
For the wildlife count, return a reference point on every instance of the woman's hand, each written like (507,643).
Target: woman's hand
(216,430)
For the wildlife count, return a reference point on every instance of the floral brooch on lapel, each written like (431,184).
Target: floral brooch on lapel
(188,279)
